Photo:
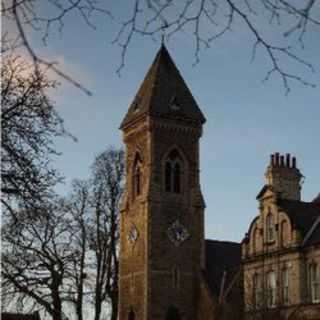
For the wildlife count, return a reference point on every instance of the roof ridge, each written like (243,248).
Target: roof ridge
(223,241)
(156,64)
(311,203)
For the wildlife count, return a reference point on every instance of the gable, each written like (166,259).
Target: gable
(265,192)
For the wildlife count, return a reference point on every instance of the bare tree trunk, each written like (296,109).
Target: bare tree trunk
(114,305)
(56,301)
(98,304)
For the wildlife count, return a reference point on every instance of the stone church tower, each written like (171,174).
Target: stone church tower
(162,214)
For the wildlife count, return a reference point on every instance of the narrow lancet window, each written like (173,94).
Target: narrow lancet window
(168,176)
(137,177)
(137,181)
(176,178)
(173,172)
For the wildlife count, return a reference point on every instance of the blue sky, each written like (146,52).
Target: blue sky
(246,119)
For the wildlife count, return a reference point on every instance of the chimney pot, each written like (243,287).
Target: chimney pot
(288,160)
(294,162)
(277,159)
(272,160)
(282,161)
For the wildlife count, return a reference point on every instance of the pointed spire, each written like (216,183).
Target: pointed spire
(163,93)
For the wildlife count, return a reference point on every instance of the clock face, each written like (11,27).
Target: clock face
(177,233)
(133,234)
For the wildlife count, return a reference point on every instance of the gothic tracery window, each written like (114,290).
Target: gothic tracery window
(173,172)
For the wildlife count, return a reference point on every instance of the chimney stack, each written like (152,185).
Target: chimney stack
(283,176)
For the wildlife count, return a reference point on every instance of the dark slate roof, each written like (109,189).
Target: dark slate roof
(301,214)
(314,237)
(316,200)
(163,86)
(20,316)
(221,256)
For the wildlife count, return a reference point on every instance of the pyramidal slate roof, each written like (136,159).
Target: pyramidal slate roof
(164,93)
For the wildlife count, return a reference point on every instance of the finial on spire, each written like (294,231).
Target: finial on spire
(163,32)
(162,38)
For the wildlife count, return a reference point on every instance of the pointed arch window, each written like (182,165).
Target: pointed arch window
(137,178)
(173,172)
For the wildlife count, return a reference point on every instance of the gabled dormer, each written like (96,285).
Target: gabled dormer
(274,229)
(284,220)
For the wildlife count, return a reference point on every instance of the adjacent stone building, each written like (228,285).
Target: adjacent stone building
(281,251)
(168,271)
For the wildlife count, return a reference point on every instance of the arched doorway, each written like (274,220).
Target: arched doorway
(173,314)
(131,315)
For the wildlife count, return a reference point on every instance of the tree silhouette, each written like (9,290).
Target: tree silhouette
(205,21)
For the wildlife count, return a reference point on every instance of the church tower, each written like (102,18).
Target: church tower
(162,214)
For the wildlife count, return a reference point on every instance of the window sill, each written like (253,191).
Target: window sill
(315,301)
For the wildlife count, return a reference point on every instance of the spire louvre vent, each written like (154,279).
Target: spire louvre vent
(174,104)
